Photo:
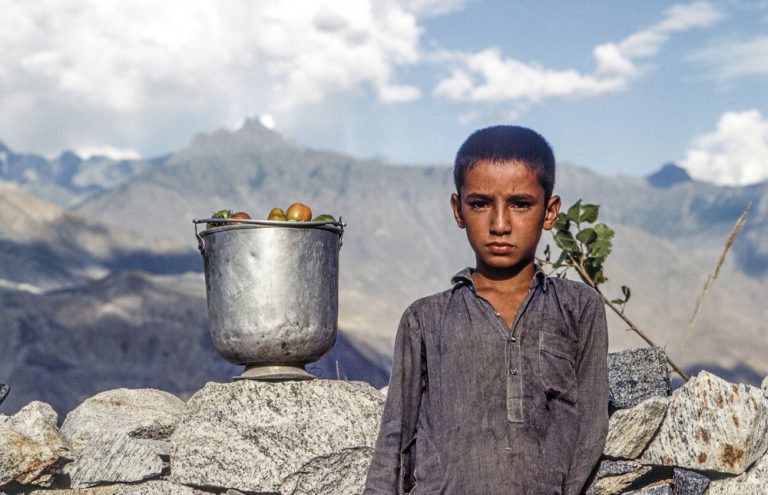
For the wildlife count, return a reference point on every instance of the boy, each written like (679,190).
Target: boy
(499,384)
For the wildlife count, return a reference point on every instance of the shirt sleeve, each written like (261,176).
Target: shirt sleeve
(592,382)
(398,422)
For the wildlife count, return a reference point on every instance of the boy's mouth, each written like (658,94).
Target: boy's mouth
(500,247)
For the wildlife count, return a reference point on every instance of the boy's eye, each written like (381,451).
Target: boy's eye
(520,205)
(478,205)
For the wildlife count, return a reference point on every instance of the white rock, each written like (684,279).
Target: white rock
(663,487)
(613,477)
(31,449)
(154,487)
(765,387)
(630,430)
(115,458)
(753,482)
(289,437)
(712,425)
(138,413)
(37,421)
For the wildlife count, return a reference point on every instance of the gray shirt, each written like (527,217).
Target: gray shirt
(477,407)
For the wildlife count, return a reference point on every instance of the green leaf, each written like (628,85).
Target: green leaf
(562,222)
(589,213)
(574,212)
(586,236)
(560,260)
(565,240)
(617,301)
(603,231)
(627,293)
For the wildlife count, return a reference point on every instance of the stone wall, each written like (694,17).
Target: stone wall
(316,437)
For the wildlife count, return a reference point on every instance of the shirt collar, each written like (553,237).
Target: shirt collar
(464,277)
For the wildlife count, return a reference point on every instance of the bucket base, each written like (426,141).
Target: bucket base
(274,372)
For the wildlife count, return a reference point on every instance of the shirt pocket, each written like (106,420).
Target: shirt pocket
(427,470)
(557,366)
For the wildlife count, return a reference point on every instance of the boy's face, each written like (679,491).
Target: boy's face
(503,210)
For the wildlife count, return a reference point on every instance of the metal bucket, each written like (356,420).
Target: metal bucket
(272,290)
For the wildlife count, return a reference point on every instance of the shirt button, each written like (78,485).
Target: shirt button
(498,315)
(513,371)
(513,339)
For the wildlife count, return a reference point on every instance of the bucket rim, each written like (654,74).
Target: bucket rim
(334,226)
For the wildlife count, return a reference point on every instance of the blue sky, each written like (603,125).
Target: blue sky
(617,86)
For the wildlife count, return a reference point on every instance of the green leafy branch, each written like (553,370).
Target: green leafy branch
(584,246)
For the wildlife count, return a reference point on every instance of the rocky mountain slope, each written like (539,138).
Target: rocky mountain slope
(86,306)
(43,246)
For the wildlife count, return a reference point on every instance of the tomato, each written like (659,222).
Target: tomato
(324,218)
(239,214)
(277,214)
(299,212)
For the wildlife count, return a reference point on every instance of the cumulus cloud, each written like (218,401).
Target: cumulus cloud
(487,76)
(507,79)
(82,66)
(735,153)
(737,58)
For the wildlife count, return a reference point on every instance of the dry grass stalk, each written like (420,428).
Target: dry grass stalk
(713,276)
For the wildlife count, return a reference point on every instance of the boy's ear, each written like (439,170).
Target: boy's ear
(456,207)
(550,216)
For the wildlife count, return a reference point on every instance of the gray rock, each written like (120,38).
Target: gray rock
(342,472)
(659,488)
(31,449)
(138,413)
(154,487)
(37,421)
(689,483)
(289,437)
(635,375)
(765,387)
(712,425)
(614,476)
(115,458)
(96,490)
(753,482)
(630,430)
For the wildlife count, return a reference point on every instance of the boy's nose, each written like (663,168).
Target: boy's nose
(501,222)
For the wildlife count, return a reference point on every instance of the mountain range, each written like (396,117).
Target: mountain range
(134,232)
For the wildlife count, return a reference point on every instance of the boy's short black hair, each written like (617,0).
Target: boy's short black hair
(503,143)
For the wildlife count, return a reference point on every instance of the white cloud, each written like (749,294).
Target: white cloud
(676,19)
(507,79)
(735,153)
(737,58)
(487,76)
(83,63)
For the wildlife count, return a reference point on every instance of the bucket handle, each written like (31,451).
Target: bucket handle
(340,224)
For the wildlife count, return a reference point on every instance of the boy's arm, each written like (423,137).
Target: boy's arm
(592,380)
(398,422)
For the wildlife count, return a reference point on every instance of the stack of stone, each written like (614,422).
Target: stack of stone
(710,436)
(244,437)
(317,437)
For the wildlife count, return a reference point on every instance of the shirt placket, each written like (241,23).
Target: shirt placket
(513,361)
